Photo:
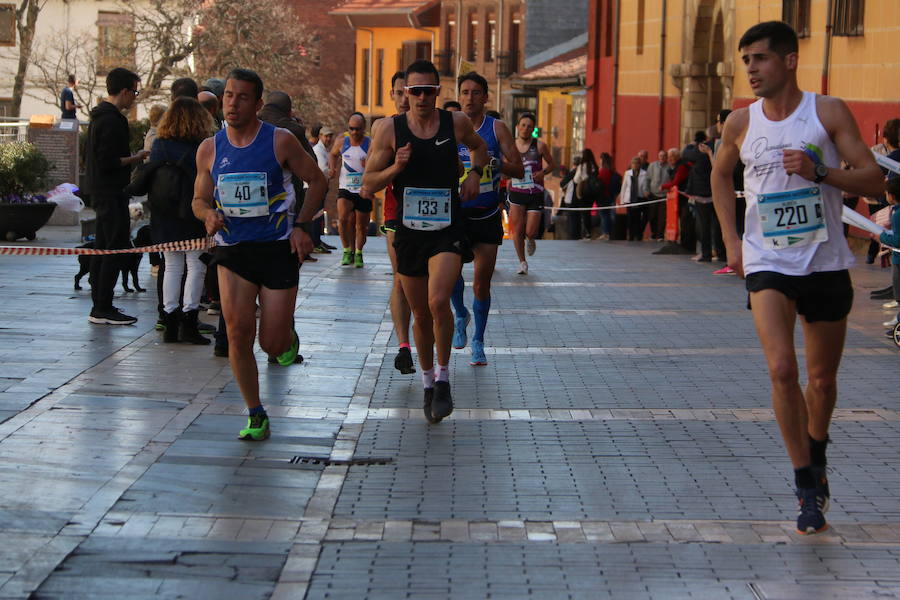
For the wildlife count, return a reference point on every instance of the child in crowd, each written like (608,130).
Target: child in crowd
(892,238)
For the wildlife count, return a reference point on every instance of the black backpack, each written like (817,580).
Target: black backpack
(169,185)
(593,187)
(172,188)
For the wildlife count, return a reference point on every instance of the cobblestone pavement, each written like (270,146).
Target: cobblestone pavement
(619,444)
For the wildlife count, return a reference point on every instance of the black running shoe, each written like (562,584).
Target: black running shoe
(220,351)
(823,493)
(110,316)
(810,520)
(403,362)
(441,403)
(426,406)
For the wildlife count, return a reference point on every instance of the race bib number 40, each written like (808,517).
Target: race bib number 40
(243,194)
(426,209)
(791,219)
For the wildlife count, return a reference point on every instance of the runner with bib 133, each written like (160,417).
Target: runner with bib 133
(430,239)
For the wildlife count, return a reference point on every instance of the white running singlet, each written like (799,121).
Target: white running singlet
(353,163)
(793,226)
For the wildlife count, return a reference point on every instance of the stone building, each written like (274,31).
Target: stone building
(658,70)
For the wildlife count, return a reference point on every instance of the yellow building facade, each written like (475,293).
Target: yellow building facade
(673,64)
(381,52)
(388,35)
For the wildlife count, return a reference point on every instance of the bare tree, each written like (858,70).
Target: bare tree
(164,37)
(57,56)
(26,21)
(159,39)
(328,106)
(263,35)
(172,38)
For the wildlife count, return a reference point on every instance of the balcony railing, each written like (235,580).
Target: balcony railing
(507,63)
(444,63)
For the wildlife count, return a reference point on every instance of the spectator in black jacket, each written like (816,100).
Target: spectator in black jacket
(699,154)
(108,162)
(277,111)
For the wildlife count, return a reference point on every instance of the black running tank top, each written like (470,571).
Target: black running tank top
(434,163)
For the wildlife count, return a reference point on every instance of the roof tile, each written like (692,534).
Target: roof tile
(376,6)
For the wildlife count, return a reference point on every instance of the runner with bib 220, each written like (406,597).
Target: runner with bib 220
(794,252)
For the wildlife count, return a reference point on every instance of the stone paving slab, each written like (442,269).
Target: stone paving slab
(609,470)
(579,381)
(545,570)
(620,444)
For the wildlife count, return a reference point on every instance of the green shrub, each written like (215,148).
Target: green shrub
(23,171)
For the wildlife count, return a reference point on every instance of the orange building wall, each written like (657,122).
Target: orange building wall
(390,39)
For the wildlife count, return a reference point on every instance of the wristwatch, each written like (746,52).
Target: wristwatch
(821,172)
(306,226)
(478,170)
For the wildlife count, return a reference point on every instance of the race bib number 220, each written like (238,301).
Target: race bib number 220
(792,219)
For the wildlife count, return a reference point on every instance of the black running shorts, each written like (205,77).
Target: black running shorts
(529,201)
(486,230)
(415,248)
(270,265)
(825,296)
(360,204)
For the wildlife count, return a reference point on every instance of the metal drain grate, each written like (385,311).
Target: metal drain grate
(317,460)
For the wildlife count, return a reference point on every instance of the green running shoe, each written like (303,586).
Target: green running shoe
(290,356)
(347,257)
(359,260)
(257,428)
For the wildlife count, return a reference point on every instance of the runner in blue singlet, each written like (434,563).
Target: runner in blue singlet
(244,195)
(482,216)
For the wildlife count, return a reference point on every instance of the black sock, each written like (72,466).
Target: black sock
(804,478)
(817,451)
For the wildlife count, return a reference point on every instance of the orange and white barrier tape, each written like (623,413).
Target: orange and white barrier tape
(613,206)
(197,244)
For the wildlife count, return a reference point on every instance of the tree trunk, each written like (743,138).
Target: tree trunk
(26,20)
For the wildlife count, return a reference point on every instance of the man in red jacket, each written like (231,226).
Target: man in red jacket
(678,176)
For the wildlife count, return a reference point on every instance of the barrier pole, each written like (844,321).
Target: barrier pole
(672,214)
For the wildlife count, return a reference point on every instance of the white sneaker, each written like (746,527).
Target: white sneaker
(523,268)
(891,304)
(530,246)
(893,322)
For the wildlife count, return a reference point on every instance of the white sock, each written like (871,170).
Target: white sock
(428,378)
(443,373)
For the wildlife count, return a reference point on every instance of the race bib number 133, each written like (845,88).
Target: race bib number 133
(426,209)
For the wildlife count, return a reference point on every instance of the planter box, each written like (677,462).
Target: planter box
(23,220)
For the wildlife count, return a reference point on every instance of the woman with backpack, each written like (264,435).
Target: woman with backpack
(171,188)
(589,190)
